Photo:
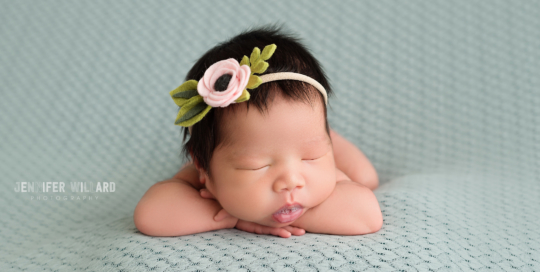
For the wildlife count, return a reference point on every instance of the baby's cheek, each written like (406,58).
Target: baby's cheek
(243,204)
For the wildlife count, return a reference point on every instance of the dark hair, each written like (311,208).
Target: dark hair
(290,56)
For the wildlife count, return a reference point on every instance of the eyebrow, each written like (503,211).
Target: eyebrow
(236,155)
(314,140)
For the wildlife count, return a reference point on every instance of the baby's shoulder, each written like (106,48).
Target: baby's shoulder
(190,175)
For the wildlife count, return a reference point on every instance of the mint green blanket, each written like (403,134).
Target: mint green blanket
(442,96)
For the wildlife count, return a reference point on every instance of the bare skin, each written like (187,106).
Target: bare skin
(328,176)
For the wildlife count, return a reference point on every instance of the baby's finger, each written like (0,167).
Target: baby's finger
(274,231)
(221,215)
(206,194)
(282,233)
(294,230)
(260,229)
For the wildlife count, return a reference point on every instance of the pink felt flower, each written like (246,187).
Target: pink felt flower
(223,82)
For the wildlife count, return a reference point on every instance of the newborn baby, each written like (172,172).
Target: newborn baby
(267,165)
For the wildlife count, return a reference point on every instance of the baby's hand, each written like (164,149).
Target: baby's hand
(284,232)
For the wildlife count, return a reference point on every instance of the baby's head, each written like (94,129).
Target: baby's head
(273,150)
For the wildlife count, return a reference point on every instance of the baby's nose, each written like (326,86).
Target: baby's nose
(289,182)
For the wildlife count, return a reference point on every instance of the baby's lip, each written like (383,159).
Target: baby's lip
(288,212)
(290,206)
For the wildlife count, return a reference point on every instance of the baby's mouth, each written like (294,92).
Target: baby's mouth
(288,213)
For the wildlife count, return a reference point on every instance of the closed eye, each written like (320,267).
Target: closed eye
(252,169)
(312,159)
(317,157)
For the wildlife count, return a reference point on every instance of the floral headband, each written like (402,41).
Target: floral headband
(226,82)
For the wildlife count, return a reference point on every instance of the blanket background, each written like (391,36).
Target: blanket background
(442,96)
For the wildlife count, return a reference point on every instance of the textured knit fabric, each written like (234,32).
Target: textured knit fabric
(443,97)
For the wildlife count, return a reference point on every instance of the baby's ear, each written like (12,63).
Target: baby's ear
(202,176)
(202,173)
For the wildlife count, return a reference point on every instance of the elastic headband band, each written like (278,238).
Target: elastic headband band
(296,76)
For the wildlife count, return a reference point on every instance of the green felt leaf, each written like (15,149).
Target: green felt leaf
(268,51)
(245,61)
(196,118)
(260,67)
(188,85)
(185,94)
(180,101)
(253,64)
(254,82)
(192,112)
(255,55)
(243,97)
(190,104)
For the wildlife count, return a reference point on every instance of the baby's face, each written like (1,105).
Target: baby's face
(277,166)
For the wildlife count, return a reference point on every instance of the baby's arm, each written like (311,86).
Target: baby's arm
(353,162)
(174,207)
(351,209)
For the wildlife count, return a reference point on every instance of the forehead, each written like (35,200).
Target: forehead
(286,123)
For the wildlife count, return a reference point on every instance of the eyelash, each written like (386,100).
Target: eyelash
(256,168)
(267,165)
